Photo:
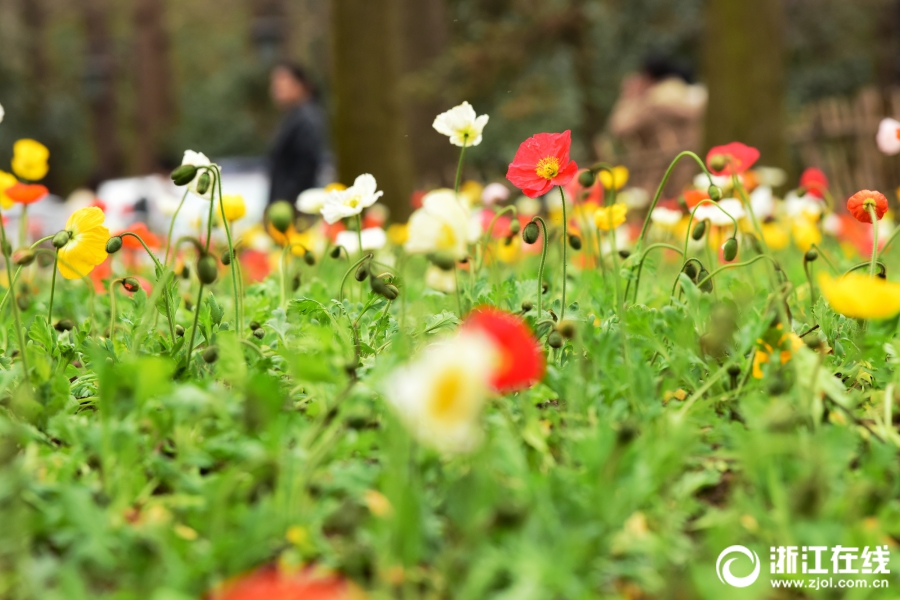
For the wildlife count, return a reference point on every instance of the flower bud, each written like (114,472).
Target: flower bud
(335,252)
(586,179)
(295,282)
(184,174)
(23,301)
(64,325)
(811,255)
(362,271)
(259,333)
(254,325)
(23,257)
(211,355)
(391,291)
(131,285)
(226,257)
(527,305)
(555,339)
(706,286)
(185,272)
(508,240)
(691,271)
(203,183)
(575,242)
(309,258)
(715,192)
(730,249)
(567,329)
(734,370)
(61,239)
(207,269)
(515,227)
(717,162)
(442,260)
(114,244)
(281,214)
(531,233)
(179,331)
(699,230)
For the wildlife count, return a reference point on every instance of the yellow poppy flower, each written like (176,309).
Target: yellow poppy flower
(805,233)
(234,207)
(775,236)
(610,217)
(7,180)
(619,177)
(398,233)
(471,192)
(86,247)
(30,160)
(859,296)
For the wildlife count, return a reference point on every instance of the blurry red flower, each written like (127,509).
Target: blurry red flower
(693,197)
(731,158)
(270,583)
(415,200)
(859,203)
(140,229)
(814,181)
(26,193)
(577,193)
(255,265)
(542,162)
(521,362)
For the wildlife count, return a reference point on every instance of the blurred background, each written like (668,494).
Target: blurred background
(120,88)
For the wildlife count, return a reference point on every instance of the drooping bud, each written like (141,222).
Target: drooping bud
(362,271)
(226,257)
(730,249)
(567,329)
(131,285)
(527,305)
(575,242)
(207,269)
(259,333)
(203,183)
(179,331)
(442,260)
(23,257)
(707,285)
(335,252)
(61,239)
(699,230)
(114,244)
(717,162)
(811,255)
(715,192)
(391,291)
(531,233)
(691,271)
(309,258)
(295,282)
(281,214)
(254,325)
(586,179)
(64,325)
(514,226)
(185,272)
(184,174)
(211,355)
(555,339)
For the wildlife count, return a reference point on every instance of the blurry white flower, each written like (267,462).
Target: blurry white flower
(494,193)
(312,201)
(807,206)
(708,212)
(762,202)
(461,125)
(666,217)
(634,198)
(770,176)
(438,279)
(832,224)
(701,181)
(528,207)
(198,159)
(350,202)
(440,396)
(373,238)
(2,113)
(441,225)
(888,136)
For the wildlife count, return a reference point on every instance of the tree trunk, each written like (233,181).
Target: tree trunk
(369,122)
(155,105)
(745,66)
(100,89)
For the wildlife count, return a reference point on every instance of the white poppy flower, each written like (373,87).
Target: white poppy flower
(494,193)
(438,279)
(770,176)
(807,206)
(762,202)
(373,238)
(708,212)
(666,217)
(701,181)
(441,225)
(311,201)
(634,198)
(888,136)
(461,125)
(441,395)
(350,202)
(198,159)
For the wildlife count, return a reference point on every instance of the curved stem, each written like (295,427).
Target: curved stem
(861,265)
(540,283)
(874,219)
(735,266)
(347,274)
(565,245)
(238,313)
(637,281)
(662,185)
(190,348)
(687,236)
(825,256)
(172,224)
(52,287)
(169,316)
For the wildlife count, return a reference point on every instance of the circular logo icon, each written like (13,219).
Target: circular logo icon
(724,570)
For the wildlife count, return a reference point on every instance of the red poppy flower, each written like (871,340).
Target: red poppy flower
(270,583)
(542,162)
(521,363)
(693,197)
(255,265)
(859,203)
(577,193)
(814,182)
(26,193)
(731,159)
(139,229)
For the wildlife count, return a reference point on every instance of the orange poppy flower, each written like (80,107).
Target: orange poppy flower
(144,232)
(26,193)
(859,203)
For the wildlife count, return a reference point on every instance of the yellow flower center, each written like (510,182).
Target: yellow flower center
(547,167)
(352,202)
(445,404)
(446,238)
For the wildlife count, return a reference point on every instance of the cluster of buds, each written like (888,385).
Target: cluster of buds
(564,331)
(698,274)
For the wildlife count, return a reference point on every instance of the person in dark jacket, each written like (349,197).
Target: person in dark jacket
(298,153)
